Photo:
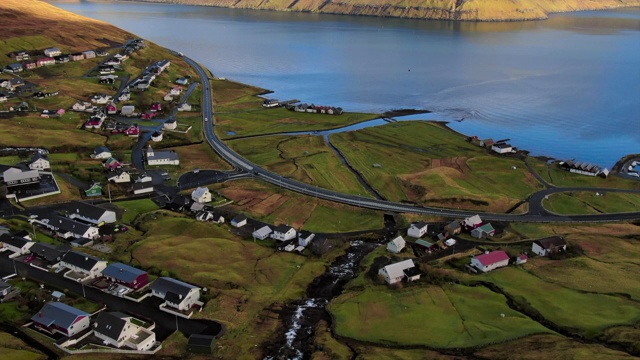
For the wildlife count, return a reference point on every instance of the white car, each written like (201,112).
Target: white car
(205,119)
(450,242)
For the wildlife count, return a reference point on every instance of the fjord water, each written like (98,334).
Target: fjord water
(567,87)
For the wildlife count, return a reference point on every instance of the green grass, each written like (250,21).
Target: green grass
(585,313)
(14,348)
(587,202)
(135,207)
(329,219)
(449,317)
(564,178)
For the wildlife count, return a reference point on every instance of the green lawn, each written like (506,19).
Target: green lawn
(585,313)
(135,207)
(562,177)
(329,219)
(449,317)
(587,202)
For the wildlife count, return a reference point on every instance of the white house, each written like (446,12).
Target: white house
(201,195)
(85,264)
(101,152)
(305,237)
(394,273)
(67,228)
(396,245)
(78,210)
(185,107)
(16,244)
(16,177)
(142,188)
(472,222)
(101,99)
(52,51)
(283,232)
(170,124)
(127,110)
(218,219)
(417,230)
(239,221)
(262,233)
(116,329)
(501,148)
(119,176)
(490,261)
(550,245)
(39,161)
(162,157)
(176,293)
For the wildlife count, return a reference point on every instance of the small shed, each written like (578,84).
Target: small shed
(201,344)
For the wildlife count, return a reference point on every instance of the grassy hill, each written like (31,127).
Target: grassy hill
(469,10)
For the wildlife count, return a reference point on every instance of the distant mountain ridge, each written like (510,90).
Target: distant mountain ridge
(465,10)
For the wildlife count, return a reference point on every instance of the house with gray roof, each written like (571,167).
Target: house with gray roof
(117,329)
(78,210)
(67,228)
(417,229)
(15,177)
(101,152)
(262,233)
(85,265)
(396,272)
(57,317)
(396,245)
(175,293)
(164,157)
(16,244)
(47,252)
(126,275)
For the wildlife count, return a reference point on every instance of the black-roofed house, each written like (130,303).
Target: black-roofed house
(16,244)
(239,221)
(126,275)
(47,252)
(396,272)
(93,214)
(453,227)
(305,237)
(5,288)
(201,344)
(69,229)
(418,229)
(85,265)
(550,245)
(57,317)
(176,293)
(117,329)
(39,161)
(283,232)
(101,152)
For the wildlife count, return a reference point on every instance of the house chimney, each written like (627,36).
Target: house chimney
(86,258)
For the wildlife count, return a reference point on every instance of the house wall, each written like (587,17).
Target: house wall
(416,232)
(391,247)
(80,324)
(387,278)
(475,263)
(239,224)
(188,301)
(306,241)
(477,233)
(538,250)
(284,237)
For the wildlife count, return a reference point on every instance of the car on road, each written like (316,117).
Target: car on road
(205,119)
(29,258)
(195,171)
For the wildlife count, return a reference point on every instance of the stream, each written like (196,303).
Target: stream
(301,317)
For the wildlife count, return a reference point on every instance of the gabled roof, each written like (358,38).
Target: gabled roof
(492,257)
(238,218)
(13,240)
(398,242)
(38,155)
(64,224)
(397,270)
(305,234)
(81,260)
(263,231)
(86,210)
(420,224)
(109,324)
(412,271)
(487,228)
(502,145)
(473,220)
(46,251)
(59,314)
(165,285)
(551,242)
(199,192)
(122,272)
(455,224)
(283,229)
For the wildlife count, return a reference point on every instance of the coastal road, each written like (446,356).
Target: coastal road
(243,164)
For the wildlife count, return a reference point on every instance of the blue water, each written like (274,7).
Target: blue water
(568,87)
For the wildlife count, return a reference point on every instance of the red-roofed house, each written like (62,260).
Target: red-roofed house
(490,261)
(112,109)
(45,61)
(132,131)
(521,259)
(155,107)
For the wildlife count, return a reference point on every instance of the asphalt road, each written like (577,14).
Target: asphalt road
(240,163)
(166,323)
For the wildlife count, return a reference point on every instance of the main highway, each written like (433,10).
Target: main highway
(243,164)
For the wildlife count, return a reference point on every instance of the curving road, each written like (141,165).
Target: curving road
(240,163)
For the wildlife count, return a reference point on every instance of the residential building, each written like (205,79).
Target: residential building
(550,245)
(142,188)
(52,51)
(262,233)
(47,252)
(453,227)
(119,176)
(85,264)
(117,329)
(218,219)
(483,231)
(94,189)
(16,244)
(156,136)
(521,259)
(396,245)
(396,272)
(89,54)
(79,210)
(283,232)
(170,124)
(201,195)
(472,222)
(39,161)
(417,230)
(16,177)
(162,157)
(239,220)
(69,229)
(176,293)
(57,317)
(305,237)
(490,261)
(501,148)
(126,275)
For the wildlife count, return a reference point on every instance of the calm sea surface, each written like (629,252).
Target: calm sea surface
(568,87)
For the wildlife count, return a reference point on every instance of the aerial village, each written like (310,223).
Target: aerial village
(157,299)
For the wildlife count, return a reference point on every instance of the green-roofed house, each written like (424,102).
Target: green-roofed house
(94,190)
(483,231)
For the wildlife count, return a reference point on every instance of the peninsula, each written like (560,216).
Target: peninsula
(459,10)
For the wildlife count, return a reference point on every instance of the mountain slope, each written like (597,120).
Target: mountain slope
(474,10)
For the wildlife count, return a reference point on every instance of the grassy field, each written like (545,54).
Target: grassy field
(133,208)
(587,202)
(558,304)
(14,348)
(269,203)
(428,164)
(559,177)
(443,317)
(304,158)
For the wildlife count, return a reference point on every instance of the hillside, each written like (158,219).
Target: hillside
(468,10)
(68,30)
